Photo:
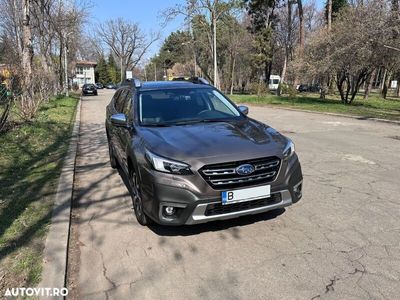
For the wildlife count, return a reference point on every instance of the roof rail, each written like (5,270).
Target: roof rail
(135,82)
(193,79)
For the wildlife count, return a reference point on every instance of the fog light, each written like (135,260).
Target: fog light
(297,189)
(169,210)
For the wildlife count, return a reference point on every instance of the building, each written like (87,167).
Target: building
(84,72)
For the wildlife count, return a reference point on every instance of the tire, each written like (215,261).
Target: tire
(113,160)
(134,181)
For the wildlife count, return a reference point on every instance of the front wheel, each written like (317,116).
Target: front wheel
(137,201)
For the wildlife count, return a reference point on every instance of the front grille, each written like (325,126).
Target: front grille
(223,176)
(219,209)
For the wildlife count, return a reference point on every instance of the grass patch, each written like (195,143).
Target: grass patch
(31,158)
(374,107)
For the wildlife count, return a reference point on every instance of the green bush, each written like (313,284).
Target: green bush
(259,88)
(288,89)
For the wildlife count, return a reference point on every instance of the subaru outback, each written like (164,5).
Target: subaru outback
(192,156)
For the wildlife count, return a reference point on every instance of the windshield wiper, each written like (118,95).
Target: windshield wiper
(184,122)
(213,120)
(194,121)
(156,125)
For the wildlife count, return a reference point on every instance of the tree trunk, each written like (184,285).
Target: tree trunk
(322,94)
(27,49)
(329,15)
(368,87)
(283,75)
(301,27)
(301,36)
(123,70)
(287,47)
(216,78)
(386,83)
(383,80)
(233,74)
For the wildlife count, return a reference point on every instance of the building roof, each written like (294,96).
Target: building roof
(86,63)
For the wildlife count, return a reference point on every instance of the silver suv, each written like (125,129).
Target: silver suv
(193,156)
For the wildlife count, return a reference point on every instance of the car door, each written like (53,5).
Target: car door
(114,130)
(124,135)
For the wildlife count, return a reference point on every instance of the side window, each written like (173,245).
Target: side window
(127,103)
(218,104)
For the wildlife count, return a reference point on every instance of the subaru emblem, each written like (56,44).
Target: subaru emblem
(245,169)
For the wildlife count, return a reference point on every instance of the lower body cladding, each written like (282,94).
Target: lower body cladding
(172,204)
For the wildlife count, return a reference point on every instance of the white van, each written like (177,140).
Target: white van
(274,81)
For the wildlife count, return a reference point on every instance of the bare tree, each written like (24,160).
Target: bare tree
(127,41)
(210,11)
(354,47)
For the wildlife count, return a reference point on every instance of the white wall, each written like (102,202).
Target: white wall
(84,74)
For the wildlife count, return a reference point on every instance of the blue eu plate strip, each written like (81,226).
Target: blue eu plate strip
(224,197)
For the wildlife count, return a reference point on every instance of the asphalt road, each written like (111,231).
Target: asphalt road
(341,241)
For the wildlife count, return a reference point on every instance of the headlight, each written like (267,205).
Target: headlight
(289,149)
(167,166)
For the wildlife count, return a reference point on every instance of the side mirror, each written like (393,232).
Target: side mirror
(243,109)
(119,120)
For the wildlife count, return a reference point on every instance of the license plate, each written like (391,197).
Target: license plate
(90,92)
(248,194)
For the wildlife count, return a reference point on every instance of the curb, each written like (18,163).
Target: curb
(56,245)
(360,118)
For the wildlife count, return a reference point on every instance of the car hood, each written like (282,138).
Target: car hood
(214,142)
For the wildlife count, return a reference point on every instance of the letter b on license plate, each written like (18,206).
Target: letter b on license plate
(248,194)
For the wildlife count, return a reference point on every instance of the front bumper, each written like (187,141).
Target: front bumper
(192,196)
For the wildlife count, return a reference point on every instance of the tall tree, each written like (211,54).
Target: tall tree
(263,21)
(127,41)
(101,71)
(208,13)
(113,71)
(332,9)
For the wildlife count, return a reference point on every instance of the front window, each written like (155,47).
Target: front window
(184,106)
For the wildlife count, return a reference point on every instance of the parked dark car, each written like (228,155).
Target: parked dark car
(89,89)
(313,88)
(303,88)
(99,86)
(191,155)
(110,86)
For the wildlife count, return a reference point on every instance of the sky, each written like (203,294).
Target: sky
(146,13)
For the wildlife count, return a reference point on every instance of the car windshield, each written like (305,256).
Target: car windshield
(184,106)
